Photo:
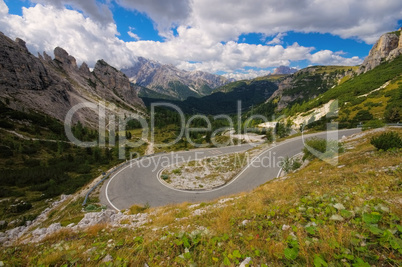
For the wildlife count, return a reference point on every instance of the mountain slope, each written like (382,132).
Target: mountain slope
(375,94)
(372,97)
(224,100)
(54,86)
(170,81)
(371,91)
(308,83)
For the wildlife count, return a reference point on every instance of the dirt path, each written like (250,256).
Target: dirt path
(31,138)
(150,149)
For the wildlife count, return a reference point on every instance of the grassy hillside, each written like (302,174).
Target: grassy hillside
(313,81)
(301,87)
(148,93)
(249,92)
(372,98)
(359,93)
(322,215)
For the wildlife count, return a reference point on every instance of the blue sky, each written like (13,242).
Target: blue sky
(240,39)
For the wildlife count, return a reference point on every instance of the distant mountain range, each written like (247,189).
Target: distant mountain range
(284,70)
(169,81)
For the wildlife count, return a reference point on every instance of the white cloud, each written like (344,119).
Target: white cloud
(250,74)
(278,39)
(3,8)
(218,57)
(207,31)
(133,35)
(327,57)
(97,11)
(165,13)
(46,27)
(346,18)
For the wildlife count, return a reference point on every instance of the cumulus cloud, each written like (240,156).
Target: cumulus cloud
(165,13)
(97,11)
(3,8)
(346,18)
(278,39)
(246,75)
(46,27)
(206,37)
(219,57)
(133,35)
(327,57)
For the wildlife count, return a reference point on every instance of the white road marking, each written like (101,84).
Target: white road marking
(216,149)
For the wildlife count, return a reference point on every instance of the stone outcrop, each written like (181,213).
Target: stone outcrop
(387,48)
(111,77)
(109,217)
(84,70)
(114,82)
(54,86)
(63,57)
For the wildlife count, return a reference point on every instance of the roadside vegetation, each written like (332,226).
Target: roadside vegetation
(321,215)
(38,164)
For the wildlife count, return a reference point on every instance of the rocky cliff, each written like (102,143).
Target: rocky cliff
(169,80)
(387,48)
(308,83)
(53,86)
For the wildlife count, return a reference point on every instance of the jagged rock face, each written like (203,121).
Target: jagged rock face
(111,77)
(387,48)
(163,78)
(84,70)
(54,86)
(116,81)
(62,56)
(18,69)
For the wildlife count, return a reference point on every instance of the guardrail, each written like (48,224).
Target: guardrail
(386,124)
(105,176)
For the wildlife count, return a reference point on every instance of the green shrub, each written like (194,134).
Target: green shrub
(91,207)
(135,209)
(290,164)
(20,207)
(177,171)
(5,124)
(373,124)
(328,148)
(363,115)
(387,141)
(393,113)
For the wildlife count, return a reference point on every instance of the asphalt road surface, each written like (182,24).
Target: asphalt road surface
(138,183)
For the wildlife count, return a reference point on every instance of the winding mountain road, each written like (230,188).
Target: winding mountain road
(138,182)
